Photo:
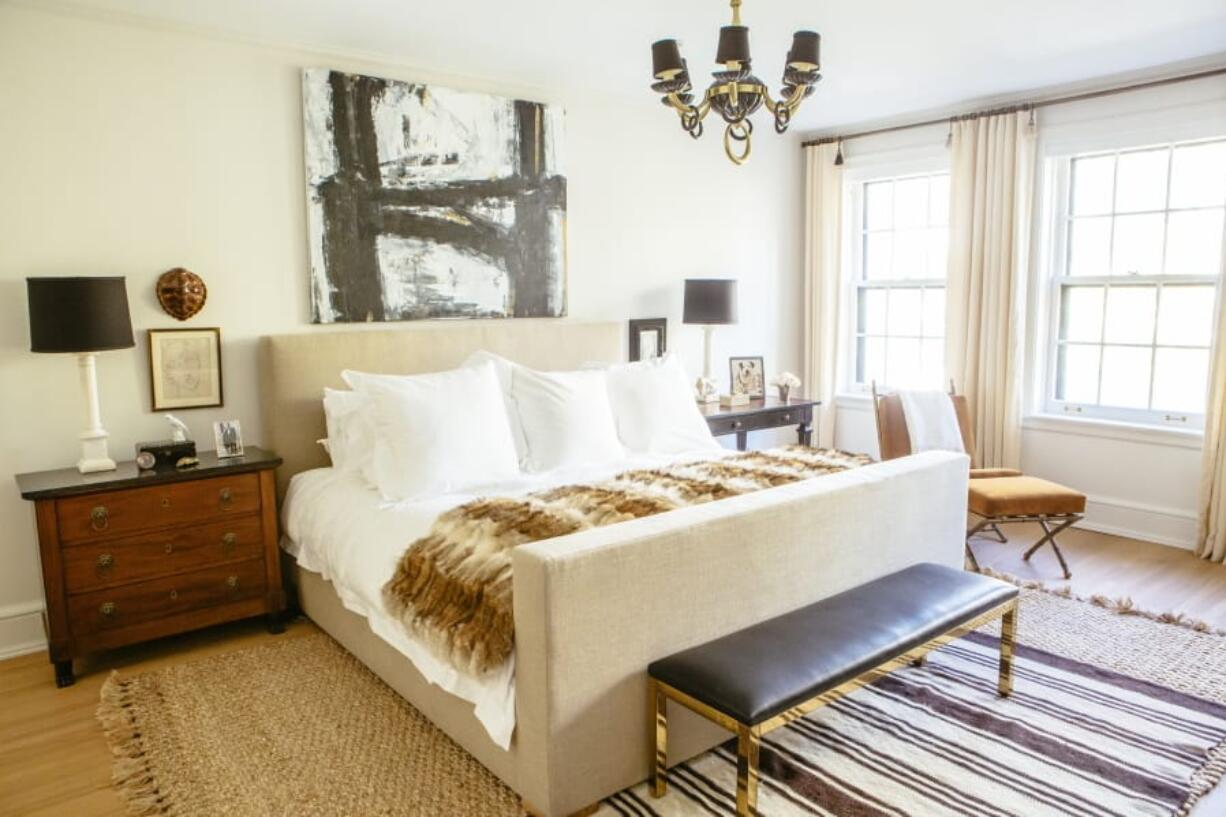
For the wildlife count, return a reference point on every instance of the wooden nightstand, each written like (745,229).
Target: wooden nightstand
(132,555)
(764,412)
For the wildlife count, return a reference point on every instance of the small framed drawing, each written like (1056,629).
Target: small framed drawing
(228,435)
(185,368)
(746,376)
(648,338)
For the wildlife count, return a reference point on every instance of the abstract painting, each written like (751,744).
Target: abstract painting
(425,202)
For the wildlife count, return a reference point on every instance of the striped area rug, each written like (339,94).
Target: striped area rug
(1074,739)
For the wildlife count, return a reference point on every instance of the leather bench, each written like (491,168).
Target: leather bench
(762,677)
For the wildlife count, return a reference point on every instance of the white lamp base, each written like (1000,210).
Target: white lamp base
(94,455)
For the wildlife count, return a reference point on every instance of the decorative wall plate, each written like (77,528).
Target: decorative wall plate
(181,293)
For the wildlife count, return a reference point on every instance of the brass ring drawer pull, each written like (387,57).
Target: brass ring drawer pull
(106,561)
(107,609)
(165,502)
(99,518)
(170,547)
(229,540)
(225,497)
(174,594)
(232,582)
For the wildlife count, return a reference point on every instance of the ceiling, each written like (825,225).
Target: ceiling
(881,58)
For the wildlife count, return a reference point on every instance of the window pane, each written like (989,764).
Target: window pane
(877,248)
(1180,378)
(934,312)
(1140,182)
(872,311)
(911,254)
(1198,175)
(906,311)
(1194,242)
(870,360)
(938,252)
(1125,378)
(1137,246)
(911,203)
(1082,316)
(1090,246)
(1093,185)
(1077,374)
(938,200)
(1185,316)
(1130,315)
(902,364)
(932,363)
(878,205)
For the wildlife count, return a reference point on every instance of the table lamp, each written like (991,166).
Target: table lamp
(82,316)
(709,302)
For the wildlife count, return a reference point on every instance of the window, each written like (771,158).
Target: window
(899,238)
(1137,256)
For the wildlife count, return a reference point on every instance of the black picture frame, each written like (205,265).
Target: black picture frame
(648,326)
(755,365)
(211,396)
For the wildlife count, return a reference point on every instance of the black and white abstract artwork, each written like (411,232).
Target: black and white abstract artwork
(425,202)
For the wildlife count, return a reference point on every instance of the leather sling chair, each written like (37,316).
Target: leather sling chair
(997,495)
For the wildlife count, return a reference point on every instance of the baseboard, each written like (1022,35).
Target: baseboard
(21,629)
(1173,527)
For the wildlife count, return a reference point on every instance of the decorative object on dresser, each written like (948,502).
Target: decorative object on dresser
(426,202)
(228,436)
(83,316)
(736,93)
(762,413)
(139,555)
(746,376)
(786,382)
(648,338)
(185,368)
(181,293)
(709,302)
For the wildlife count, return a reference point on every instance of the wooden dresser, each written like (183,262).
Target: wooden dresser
(132,555)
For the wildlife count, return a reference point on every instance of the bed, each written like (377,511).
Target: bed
(568,724)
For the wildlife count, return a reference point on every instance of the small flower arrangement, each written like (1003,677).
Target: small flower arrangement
(785,382)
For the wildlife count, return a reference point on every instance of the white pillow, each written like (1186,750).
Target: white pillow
(504,369)
(351,441)
(438,433)
(655,409)
(566,417)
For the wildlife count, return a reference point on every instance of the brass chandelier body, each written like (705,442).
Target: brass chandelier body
(736,94)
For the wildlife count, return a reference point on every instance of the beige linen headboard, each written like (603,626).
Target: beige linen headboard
(295,368)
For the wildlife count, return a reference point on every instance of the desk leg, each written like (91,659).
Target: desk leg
(742,440)
(804,434)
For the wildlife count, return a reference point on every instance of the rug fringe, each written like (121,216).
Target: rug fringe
(131,773)
(1205,779)
(1123,605)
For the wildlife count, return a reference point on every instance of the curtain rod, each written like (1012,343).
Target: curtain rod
(1021,106)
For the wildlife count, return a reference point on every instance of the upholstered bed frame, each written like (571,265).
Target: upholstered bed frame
(594,608)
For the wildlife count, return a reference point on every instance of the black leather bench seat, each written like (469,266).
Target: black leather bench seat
(757,673)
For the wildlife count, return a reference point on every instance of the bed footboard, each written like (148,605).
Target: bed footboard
(594,608)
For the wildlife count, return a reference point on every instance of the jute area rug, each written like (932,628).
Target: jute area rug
(1114,713)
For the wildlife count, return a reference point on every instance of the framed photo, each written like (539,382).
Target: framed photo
(747,376)
(228,435)
(185,368)
(648,338)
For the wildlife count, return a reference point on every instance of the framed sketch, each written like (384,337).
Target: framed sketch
(228,437)
(185,368)
(746,376)
(648,338)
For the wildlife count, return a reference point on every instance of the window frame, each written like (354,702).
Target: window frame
(1060,217)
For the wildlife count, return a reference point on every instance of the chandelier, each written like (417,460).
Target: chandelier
(736,93)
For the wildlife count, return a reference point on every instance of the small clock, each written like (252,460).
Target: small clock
(145,460)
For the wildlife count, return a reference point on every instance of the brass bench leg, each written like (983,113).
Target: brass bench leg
(659,723)
(747,744)
(1008,635)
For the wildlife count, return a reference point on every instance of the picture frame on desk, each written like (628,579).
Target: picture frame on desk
(185,368)
(747,376)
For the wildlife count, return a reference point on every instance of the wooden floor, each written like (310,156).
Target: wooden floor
(54,760)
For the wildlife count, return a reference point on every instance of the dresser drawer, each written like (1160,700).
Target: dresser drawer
(144,556)
(106,515)
(753,422)
(119,607)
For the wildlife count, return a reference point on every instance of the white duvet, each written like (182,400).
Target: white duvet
(338,526)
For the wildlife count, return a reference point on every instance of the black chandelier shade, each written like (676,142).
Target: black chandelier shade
(666,59)
(806,51)
(78,314)
(733,45)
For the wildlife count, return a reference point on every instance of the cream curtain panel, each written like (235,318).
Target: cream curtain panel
(1211,523)
(823,265)
(991,193)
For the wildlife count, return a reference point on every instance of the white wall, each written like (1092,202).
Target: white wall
(1140,483)
(128,150)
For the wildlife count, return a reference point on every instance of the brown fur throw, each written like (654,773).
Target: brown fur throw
(452,587)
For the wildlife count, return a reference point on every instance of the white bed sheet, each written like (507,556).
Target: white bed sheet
(338,526)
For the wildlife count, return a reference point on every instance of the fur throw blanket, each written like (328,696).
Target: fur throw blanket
(452,587)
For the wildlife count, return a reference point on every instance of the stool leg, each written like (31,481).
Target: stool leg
(747,771)
(659,722)
(1008,635)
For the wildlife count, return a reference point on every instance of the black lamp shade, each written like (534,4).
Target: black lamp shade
(709,301)
(733,45)
(806,51)
(78,314)
(666,59)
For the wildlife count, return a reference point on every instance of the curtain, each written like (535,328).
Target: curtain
(991,193)
(823,240)
(1211,519)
